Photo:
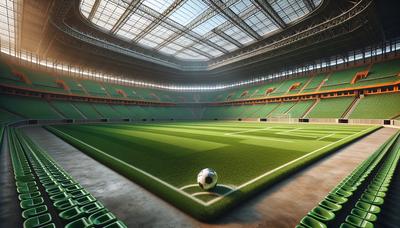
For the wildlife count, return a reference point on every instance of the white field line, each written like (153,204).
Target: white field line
(139,170)
(326,136)
(206,193)
(230,192)
(196,185)
(283,166)
(245,131)
(287,131)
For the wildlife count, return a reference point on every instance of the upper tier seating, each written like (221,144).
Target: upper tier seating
(341,79)
(383,72)
(385,106)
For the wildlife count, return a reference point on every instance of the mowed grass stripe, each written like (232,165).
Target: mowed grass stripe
(202,134)
(179,141)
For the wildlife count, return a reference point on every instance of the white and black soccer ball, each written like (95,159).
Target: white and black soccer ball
(207,179)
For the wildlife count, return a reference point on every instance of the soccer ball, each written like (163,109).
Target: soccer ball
(207,179)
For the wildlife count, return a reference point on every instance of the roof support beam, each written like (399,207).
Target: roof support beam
(207,14)
(93,10)
(309,4)
(227,38)
(158,20)
(181,30)
(267,8)
(231,16)
(198,51)
(121,21)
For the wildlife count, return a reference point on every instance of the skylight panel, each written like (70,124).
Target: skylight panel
(289,10)
(108,13)
(241,6)
(174,46)
(7,21)
(261,23)
(207,49)
(190,55)
(162,31)
(158,5)
(184,41)
(168,51)
(238,35)
(209,24)
(152,42)
(86,7)
(223,43)
(134,25)
(188,11)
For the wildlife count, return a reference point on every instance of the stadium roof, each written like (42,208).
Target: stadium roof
(196,30)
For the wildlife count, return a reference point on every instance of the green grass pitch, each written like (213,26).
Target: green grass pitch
(166,157)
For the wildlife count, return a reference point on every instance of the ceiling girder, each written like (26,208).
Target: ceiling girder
(267,8)
(181,29)
(203,53)
(158,20)
(93,10)
(227,38)
(223,8)
(309,4)
(121,20)
(207,14)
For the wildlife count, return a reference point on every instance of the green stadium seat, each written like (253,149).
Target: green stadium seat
(60,196)
(34,211)
(29,203)
(37,221)
(102,218)
(336,198)
(330,206)
(312,223)
(85,200)
(376,200)
(51,225)
(358,222)
(92,207)
(31,195)
(65,204)
(72,214)
(79,223)
(364,215)
(322,214)
(116,224)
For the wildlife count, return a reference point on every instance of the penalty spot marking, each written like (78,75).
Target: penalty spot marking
(221,196)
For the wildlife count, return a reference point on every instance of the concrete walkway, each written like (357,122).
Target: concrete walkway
(282,205)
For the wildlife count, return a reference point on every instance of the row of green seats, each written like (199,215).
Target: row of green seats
(330,107)
(29,108)
(356,201)
(49,196)
(382,106)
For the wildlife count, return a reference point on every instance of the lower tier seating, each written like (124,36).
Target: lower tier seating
(48,196)
(358,200)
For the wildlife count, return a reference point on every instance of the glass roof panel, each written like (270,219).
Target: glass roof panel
(223,43)
(188,11)
(172,34)
(108,13)
(289,10)
(209,24)
(261,23)
(135,24)
(86,7)
(8,17)
(158,5)
(237,34)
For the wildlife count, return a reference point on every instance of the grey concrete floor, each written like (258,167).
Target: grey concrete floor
(282,205)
